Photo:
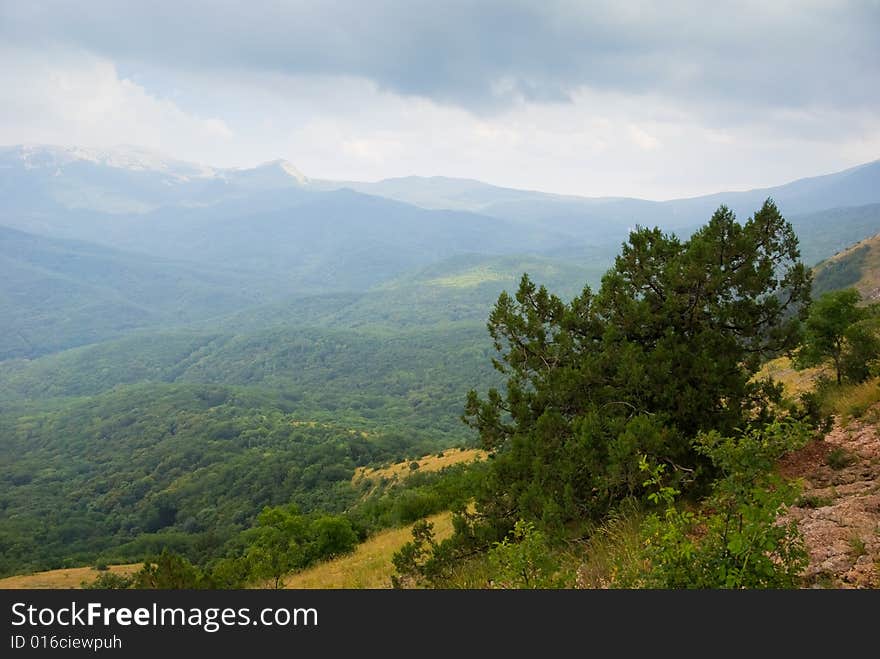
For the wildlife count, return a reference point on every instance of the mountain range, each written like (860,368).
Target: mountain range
(182,345)
(95,243)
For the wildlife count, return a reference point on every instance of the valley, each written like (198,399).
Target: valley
(183,346)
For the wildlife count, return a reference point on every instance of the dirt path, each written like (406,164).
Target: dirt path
(839,510)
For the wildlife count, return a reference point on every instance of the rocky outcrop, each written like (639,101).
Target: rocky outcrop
(839,509)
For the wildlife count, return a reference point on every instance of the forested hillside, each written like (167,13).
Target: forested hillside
(629,452)
(172,365)
(212,428)
(857,266)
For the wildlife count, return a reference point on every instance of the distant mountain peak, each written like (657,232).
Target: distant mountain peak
(287,168)
(268,175)
(127,157)
(128,179)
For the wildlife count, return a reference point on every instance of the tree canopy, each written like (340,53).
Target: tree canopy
(666,348)
(836,330)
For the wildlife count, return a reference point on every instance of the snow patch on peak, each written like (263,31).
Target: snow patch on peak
(268,175)
(286,167)
(56,159)
(131,158)
(293,172)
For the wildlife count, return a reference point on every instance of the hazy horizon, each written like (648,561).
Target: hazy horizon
(175,158)
(599,100)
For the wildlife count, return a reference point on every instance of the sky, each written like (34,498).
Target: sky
(655,100)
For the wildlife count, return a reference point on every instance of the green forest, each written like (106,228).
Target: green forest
(223,455)
(455,296)
(640,404)
(119,450)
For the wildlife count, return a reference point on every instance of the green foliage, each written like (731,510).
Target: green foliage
(165,571)
(276,548)
(826,232)
(67,293)
(665,350)
(169,571)
(813,501)
(523,559)
(330,536)
(859,360)
(840,273)
(421,494)
(424,562)
(857,547)
(109,581)
(813,410)
(409,381)
(735,540)
(838,329)
(839,458)
(416,562)
(187,467)
(230,573)
(283,541)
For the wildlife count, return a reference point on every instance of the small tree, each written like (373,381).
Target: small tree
(413,562)
(109,581)
(836,330)
(168,571)
(523,560)
(230,573)
(277,548)
(332,535)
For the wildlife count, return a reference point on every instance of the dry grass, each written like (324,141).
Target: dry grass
(64,578)
(433,462)
(869,283)
(795,382)
(615,544)
(369,566)
(850,401)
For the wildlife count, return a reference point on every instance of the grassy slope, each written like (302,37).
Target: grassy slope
(370,565)
(436,462)
(72,577)
(794,381)
(858,266)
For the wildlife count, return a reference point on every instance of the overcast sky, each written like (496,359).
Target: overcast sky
(645,99)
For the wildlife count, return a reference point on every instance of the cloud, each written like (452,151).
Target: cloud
(77,98)
(643,139)
(634,99)
(487,56)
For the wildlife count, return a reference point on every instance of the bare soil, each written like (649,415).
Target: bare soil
(839,509)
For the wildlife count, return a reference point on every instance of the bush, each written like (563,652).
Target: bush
(736,540)
(839,458)
(813,501)
(523,560)
(110,581)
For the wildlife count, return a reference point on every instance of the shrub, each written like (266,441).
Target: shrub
(839,458)
(523,560)
(735,541)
